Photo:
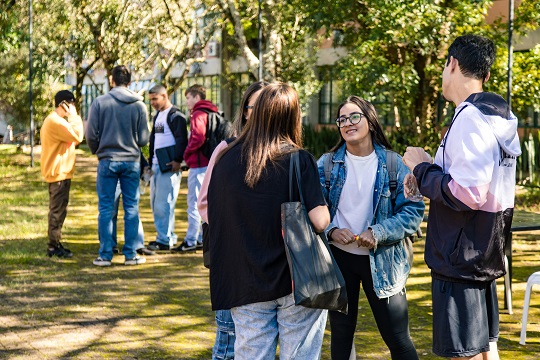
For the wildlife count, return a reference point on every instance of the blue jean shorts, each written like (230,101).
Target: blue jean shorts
(465,318)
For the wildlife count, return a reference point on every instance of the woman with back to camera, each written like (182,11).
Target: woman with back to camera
(367,231)
(225,335)
(249,273)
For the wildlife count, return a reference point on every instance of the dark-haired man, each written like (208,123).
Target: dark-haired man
(199,107)
(471,187)
(169,131)
(62,130)
(117,129)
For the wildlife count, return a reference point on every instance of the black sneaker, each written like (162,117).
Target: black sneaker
(145,251)
(154,245)
(199,246)
(184,248)
(59,251)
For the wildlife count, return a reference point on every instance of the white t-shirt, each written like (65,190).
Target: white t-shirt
(163,134)
(355,209)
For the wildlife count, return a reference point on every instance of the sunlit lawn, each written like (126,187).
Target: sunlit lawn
(51,309)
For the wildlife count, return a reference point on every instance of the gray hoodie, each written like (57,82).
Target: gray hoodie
(117,125)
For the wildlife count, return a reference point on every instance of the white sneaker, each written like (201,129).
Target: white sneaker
(100,262)
(137,260)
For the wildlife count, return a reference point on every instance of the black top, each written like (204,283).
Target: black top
(248,261)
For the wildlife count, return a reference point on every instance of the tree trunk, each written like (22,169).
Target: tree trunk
(234,16)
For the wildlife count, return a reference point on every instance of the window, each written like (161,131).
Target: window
(89,93)
(330,96)
(213,91)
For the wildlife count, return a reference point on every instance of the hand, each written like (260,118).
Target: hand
(414,156)
(72,111)
(176,166)
(366,239)
(69,108)
(343,236)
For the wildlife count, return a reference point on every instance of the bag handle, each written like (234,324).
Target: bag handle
(294,167)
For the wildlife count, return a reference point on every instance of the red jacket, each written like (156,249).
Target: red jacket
(193,156)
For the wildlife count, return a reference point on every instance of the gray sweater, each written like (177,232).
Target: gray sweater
(117,125)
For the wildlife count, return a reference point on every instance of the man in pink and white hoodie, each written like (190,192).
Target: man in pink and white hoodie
(471,187)
(199,108)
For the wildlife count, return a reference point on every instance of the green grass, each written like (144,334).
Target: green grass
(70,309)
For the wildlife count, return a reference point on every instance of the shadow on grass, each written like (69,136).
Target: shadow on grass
(70,309)
(157,311)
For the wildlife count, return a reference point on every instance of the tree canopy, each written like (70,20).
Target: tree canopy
(397,50)
(394,50)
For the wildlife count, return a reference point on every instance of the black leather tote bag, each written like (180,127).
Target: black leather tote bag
(317,281)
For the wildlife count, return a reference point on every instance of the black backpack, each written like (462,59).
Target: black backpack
(217,130)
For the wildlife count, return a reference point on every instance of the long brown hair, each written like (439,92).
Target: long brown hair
(275,121)
(375,129)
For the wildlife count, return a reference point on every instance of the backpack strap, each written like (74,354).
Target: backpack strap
(328,166)
(210,123)
(391,165)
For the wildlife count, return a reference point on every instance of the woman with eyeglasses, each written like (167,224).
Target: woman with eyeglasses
(368,229)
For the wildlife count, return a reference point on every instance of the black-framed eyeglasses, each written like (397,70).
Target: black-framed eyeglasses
(353,117)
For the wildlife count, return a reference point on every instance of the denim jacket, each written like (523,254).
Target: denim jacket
(389,261)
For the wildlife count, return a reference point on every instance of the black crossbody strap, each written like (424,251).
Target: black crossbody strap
(446,136)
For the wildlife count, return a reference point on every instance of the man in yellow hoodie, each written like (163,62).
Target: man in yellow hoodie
(58,140)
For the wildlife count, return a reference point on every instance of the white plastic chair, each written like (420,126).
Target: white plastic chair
(533,279)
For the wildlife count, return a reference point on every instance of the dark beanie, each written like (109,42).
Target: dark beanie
(63,95)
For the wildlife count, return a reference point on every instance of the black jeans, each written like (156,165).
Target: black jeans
(58,202)
(391,314)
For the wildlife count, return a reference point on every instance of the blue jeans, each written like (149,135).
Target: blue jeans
(194,230)
(108,176)
(225,336)
(140,234)
(259,326)
(164,189)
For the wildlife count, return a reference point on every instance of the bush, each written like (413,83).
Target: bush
(527,163)
(319,141)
